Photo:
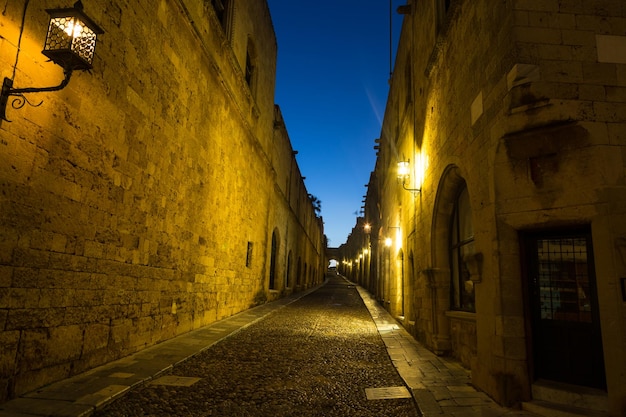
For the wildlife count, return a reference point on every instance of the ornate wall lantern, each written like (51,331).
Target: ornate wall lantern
(404,174)
(70,43)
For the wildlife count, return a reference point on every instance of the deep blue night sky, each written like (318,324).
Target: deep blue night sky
(331,86)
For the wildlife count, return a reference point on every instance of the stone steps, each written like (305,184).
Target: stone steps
(552,399)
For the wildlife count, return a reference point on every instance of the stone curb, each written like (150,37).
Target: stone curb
(440,385)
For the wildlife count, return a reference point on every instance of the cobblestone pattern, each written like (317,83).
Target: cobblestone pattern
(315,357)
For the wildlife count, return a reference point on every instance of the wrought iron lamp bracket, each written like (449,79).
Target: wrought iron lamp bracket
(20,100)
(413,190)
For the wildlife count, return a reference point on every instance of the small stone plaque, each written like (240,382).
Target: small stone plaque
(176,381)
(387,393)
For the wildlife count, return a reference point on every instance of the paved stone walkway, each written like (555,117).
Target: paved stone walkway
(317,354)
(440,386)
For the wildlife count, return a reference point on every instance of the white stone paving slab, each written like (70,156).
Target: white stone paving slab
(387,393)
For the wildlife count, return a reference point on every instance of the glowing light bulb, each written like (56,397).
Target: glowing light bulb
(74,29)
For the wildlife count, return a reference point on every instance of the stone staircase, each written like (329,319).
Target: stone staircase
(551,399)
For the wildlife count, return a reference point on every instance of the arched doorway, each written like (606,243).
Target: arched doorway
(273,263)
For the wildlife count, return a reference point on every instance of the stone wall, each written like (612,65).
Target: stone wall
(139,202)
(522,101)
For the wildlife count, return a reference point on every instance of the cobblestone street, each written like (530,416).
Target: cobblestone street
(315,357)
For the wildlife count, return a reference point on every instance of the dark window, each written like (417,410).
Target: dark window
(443,7)
(249,255)
(222,8)
(249,68)
(461,245)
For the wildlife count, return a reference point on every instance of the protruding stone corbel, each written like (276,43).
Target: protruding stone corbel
(522,74)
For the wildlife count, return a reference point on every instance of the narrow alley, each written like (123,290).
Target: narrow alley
(316,356)
(339,208)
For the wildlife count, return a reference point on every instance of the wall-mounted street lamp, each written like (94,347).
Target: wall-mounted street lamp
(389,241)
(70,43)
(404,174)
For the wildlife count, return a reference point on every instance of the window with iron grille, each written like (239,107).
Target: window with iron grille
(461,245)
(563,279)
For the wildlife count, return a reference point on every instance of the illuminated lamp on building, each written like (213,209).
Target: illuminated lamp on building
(70,43)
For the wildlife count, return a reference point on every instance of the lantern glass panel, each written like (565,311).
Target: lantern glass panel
(70,43)
(403,169)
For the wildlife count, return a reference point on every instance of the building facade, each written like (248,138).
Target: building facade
(153,195)
(497,207)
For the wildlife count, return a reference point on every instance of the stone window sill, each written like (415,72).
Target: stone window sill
(461,315)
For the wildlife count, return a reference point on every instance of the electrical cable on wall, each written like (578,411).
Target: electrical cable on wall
(390,39)
(19,39)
